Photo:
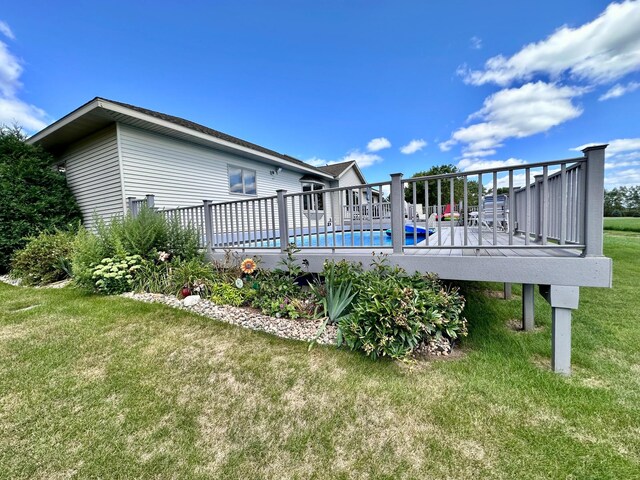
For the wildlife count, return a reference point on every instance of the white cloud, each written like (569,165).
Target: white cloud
(517,113)
(12,109)
(600,51)
(6,30)
(478,153)
(470,164)
(476,43)
(363,159)
(316,162)
(413,146)
(10,71)
(619,90)
(615,147)
(621,178)
(30,117)
(378,144)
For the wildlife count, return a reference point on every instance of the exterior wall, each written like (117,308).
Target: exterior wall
(180,174)
(349,179)
(93,174)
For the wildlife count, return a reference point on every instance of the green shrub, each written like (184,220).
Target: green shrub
(44,259)
(34,197)
(393,312)
(227,294)
(196,274)
(88,250)
(278,295)
(114,275)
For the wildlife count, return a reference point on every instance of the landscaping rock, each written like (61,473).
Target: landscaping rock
(191,300)
(301,329)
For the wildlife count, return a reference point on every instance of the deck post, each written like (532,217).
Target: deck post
(151,201)
(563,299)
(507,291)
(282,221)
(130,206)
(208,226)
(397,213)
(594,200)
(528,303)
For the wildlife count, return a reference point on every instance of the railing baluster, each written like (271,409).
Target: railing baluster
(414,213)
(495,208)
(439,190)
(426,206)
(453,209)
(465,209)
(544,211)
(509,212)
(361,215)
(480,212)
(527,205)
(563,204)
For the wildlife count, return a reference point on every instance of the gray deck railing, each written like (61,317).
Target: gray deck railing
(553,204)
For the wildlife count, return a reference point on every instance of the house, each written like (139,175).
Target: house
(112,151)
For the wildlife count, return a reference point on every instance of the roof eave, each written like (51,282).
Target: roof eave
(105,104)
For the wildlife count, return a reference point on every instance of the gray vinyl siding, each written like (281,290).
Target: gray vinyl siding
(93,174)
(180,173)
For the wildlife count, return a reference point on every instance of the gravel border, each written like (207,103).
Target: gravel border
(16,282)
(301,329)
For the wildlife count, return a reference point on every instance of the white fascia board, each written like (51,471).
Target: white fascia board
(209,138)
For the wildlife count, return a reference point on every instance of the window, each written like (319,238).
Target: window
(242,181)
(312,202)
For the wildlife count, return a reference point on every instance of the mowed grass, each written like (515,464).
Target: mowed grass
(625,224)
(111,388)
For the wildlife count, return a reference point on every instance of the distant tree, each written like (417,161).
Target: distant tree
(445,187)
(34,196)
(622,201)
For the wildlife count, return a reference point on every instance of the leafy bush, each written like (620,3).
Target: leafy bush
(147,234)
(44,259)
(278,295)
(115,275)
(393,312)
(227,294)
(34,197)
(170,277)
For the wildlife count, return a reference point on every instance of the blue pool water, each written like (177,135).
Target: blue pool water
(344,239)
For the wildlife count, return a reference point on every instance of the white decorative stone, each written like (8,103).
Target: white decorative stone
(191,300)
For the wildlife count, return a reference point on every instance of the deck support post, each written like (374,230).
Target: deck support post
(397,213)
(594,200)
(208,226)
(150,201)
(528,303)
(507,291)
(282,221)
(563,299)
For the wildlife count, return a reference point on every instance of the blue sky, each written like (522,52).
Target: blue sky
(397,86)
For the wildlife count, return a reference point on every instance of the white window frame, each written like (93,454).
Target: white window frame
(313,200)
(242,170)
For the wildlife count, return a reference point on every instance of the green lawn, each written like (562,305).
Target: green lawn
(629,224)
(107,387)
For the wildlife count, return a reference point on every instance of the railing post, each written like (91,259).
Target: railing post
(594,200)
(151,201)
(282,221)
(397,213)
(208,227)
(131,205)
